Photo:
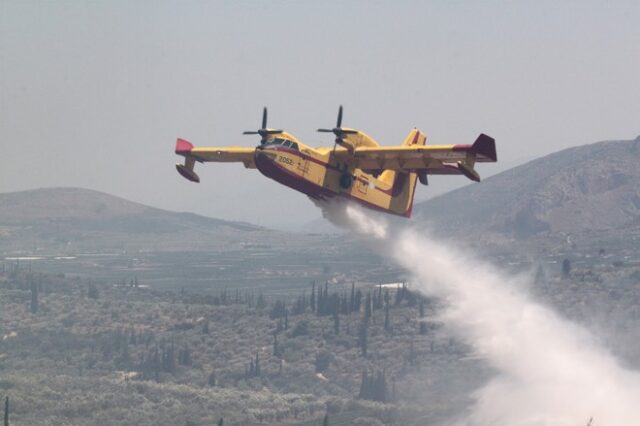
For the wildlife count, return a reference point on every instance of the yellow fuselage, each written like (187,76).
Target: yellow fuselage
(320,175)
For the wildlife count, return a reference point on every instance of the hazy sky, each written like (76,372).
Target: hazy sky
(94,93)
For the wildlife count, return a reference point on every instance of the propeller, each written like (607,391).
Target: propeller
(263,131)
(338,130)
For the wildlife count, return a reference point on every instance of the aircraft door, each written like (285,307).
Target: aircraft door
(362,185)
(303,166)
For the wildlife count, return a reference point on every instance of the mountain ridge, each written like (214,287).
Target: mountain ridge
(580,189)
(71,219)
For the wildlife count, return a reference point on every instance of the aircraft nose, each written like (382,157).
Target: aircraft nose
(266,153)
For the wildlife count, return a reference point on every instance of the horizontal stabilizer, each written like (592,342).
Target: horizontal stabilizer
(468,171)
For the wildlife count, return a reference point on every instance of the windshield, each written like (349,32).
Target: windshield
(283,142)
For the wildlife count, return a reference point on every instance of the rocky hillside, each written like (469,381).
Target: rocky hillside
(73,219)
(578,191)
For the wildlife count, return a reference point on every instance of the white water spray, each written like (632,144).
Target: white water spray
(550,371)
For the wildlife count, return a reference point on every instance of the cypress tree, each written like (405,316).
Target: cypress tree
(345,306)
(171,359)
(156,365)
(364,386)
(367,307)
(336,323)
(257,370)
(34,297)
(394,395)
(423,325)
(380,387)
(358,301)
(313,297)
(186,356)
(352,299)
(261,303)
(412,354)
(6,411)
(566,268)
(374,387)
(276,351)
(325,421)
(362,338)
(423,328)
(540,276)
(374,300)
(323,308)
(386,316)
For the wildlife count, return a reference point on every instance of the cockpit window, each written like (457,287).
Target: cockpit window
(283,142)
(276,141)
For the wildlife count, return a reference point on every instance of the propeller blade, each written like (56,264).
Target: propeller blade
(250,133)
(273,131)
(264,118)
(339,123)
(325,130)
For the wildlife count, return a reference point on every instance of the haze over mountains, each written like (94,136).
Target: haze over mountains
(578,191)
(581,191)
(73,219)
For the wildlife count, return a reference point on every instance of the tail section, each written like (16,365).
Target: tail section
(483,150)
(403,184)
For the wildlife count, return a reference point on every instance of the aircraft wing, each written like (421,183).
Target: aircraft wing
(429,159)
(211,154)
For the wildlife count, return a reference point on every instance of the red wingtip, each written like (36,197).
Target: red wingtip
(183,147)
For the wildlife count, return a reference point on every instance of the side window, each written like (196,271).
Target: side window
(287,144)
(295,146)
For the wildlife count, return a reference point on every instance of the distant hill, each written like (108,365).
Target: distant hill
(591,189)
(74,219)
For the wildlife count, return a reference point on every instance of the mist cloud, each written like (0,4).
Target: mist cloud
(550,371)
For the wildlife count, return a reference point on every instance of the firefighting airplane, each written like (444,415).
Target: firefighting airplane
(356,167)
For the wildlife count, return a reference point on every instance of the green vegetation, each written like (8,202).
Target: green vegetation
(75,351)
(81,350)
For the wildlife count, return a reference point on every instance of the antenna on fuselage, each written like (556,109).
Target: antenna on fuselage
(339,131)
(263,131)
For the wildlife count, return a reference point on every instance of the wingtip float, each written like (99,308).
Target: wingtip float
(355,167)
